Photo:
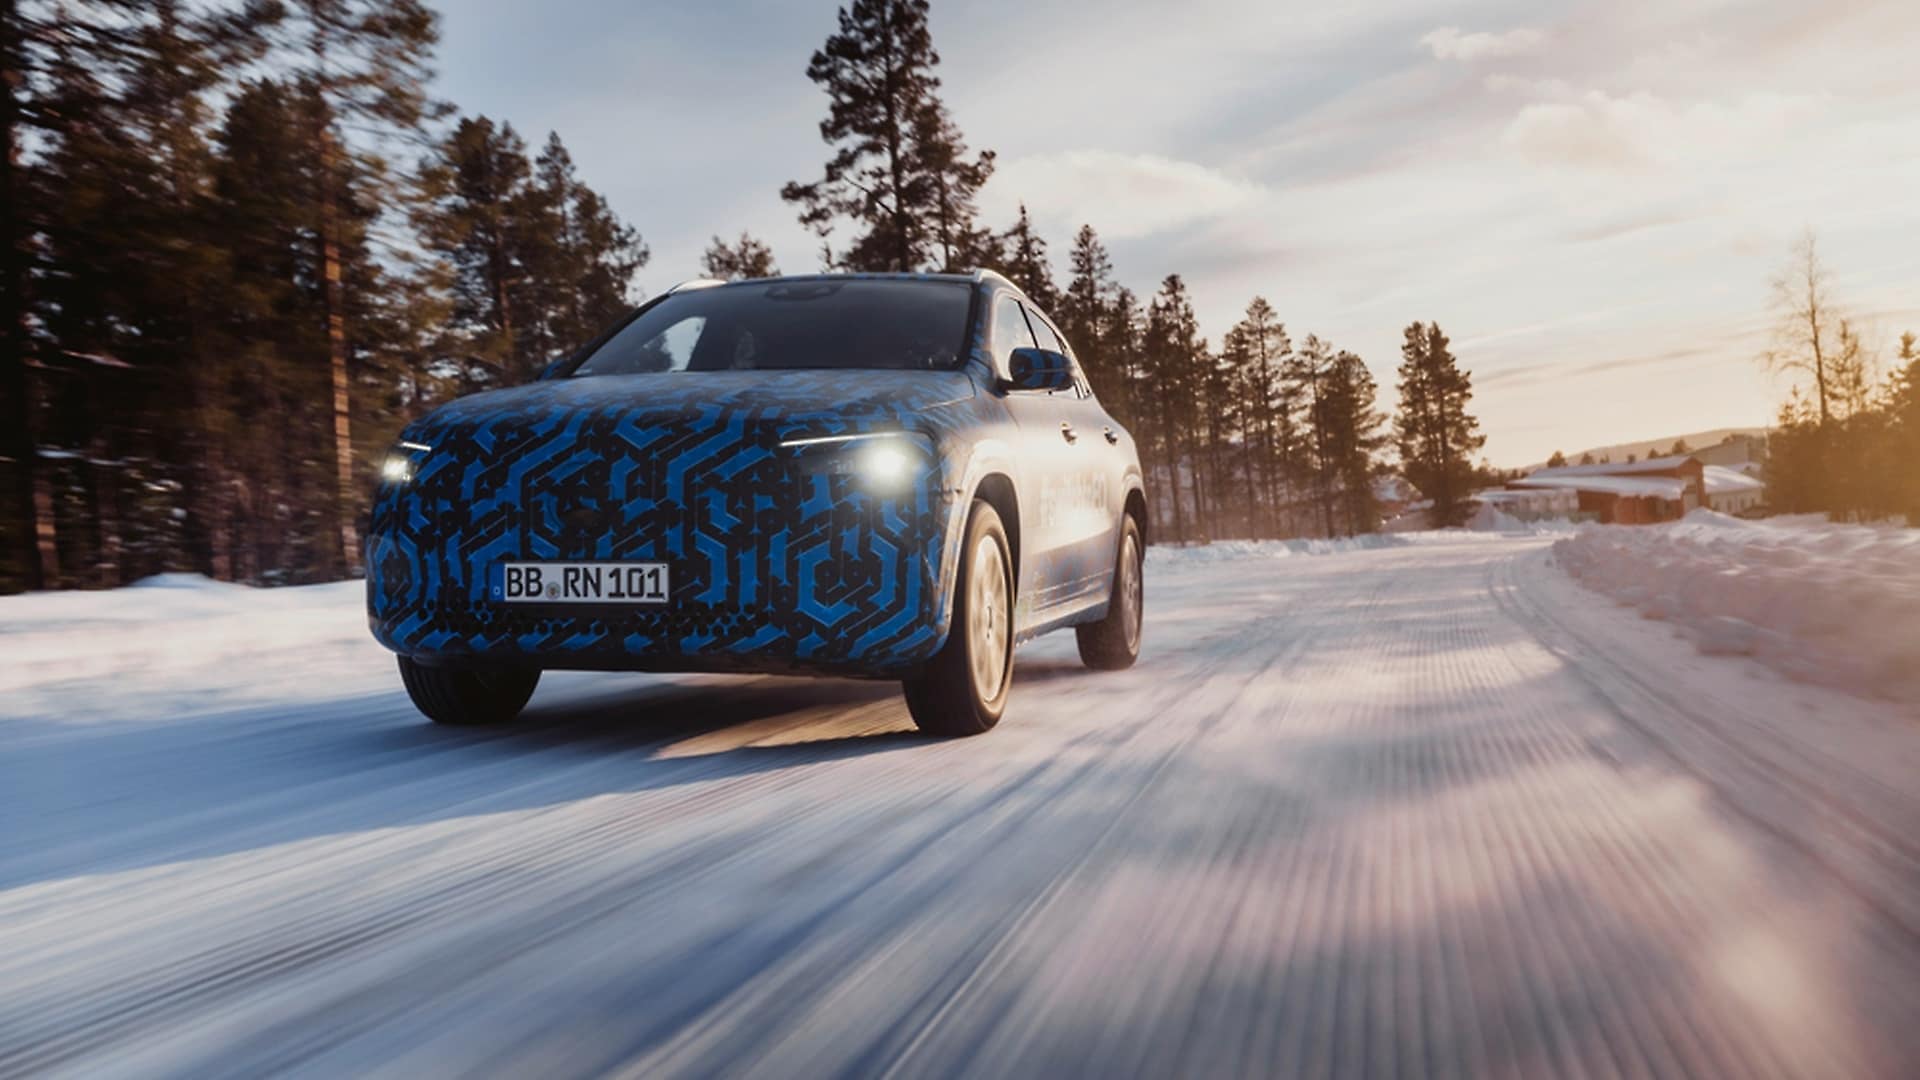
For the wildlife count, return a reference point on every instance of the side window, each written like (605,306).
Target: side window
(1050,339)
(1043,333)
(1009,330)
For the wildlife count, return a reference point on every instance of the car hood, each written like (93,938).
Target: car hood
(844,396)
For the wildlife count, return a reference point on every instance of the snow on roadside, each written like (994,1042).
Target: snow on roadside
(1222,550)
(178,637)
(1837,605)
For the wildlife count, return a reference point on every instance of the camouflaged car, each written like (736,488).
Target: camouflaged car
(882,476)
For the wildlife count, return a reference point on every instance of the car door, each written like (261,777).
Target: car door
(1045,449)
(1087,495)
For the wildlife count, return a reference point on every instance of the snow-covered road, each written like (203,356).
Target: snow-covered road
(1424,810)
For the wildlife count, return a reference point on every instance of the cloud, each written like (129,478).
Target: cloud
(1122,195)
(1604,131)
(1449,43)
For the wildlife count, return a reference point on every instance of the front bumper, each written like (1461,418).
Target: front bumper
(778,564)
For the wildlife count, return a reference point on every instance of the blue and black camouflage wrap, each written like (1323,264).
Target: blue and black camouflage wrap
(782,558)
(1041,369)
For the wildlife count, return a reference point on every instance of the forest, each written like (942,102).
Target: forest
(242,244)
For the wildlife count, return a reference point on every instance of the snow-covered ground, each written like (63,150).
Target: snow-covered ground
(1832,604)
(1411,806)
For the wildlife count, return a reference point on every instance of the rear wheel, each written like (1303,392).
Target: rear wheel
(1114,642)
(964,687)
(467,695)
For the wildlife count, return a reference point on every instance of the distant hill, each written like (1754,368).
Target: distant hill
(1646,448)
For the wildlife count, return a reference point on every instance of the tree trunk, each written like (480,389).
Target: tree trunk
(34,553)
(337,351)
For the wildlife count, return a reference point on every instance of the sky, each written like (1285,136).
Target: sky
(1590,198)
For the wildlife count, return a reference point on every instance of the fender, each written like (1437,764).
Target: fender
(987,457)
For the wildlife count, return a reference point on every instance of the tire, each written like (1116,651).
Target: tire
(1113,643)
(468,695)
(963,689)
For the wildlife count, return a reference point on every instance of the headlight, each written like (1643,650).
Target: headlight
(883,461)
(398,467)
(884,465)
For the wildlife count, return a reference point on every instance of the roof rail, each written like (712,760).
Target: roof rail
(696,283)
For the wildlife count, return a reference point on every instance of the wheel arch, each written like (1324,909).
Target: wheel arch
(996,490)
(1136,508)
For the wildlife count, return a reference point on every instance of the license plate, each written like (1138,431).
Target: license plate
(580,583)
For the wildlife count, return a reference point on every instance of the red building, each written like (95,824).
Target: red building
(1634,493)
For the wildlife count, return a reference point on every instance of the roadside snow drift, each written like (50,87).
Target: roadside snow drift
(1832,604)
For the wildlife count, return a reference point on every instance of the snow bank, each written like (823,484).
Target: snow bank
(1831,604)
(172,633)
(1222,550)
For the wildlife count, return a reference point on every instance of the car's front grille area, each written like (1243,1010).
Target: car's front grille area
(764,555)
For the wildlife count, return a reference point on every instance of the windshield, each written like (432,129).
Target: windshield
(824,323)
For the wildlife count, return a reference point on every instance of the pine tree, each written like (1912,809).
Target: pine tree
(1903,408)
(899,171)
(1559,460)
(1357,441)
(484,219)
(589,283)
(1342,436)
(1122,340)
(1172,357)
(1437,436)
(102,272)
(745,258)
(1025,262)
(366,63)
(1262,350)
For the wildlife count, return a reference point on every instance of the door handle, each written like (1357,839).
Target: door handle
(1111,436)
(1067,432)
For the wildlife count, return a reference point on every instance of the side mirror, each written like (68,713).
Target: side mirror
(1039,369)
(552,371)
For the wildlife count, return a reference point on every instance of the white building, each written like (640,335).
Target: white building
(1733,490)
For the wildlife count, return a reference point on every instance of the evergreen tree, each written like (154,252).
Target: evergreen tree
(1356,441)
(1559,460)
(1172,354)
(1083,310)
(900,171)
(1122,340)
(1024,262)
(102,181)
(745,258)
(1342,434)
(1261,349)
(364,64)
(587,284)
(540,263)
(1437,436)
(1903,408)
(485,218)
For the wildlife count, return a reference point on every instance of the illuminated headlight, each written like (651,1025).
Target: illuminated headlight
(884,464)
(398,468)
(883,461)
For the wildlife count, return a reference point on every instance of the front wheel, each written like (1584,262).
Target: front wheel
(1113,643)
(468,695)
(964,687)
